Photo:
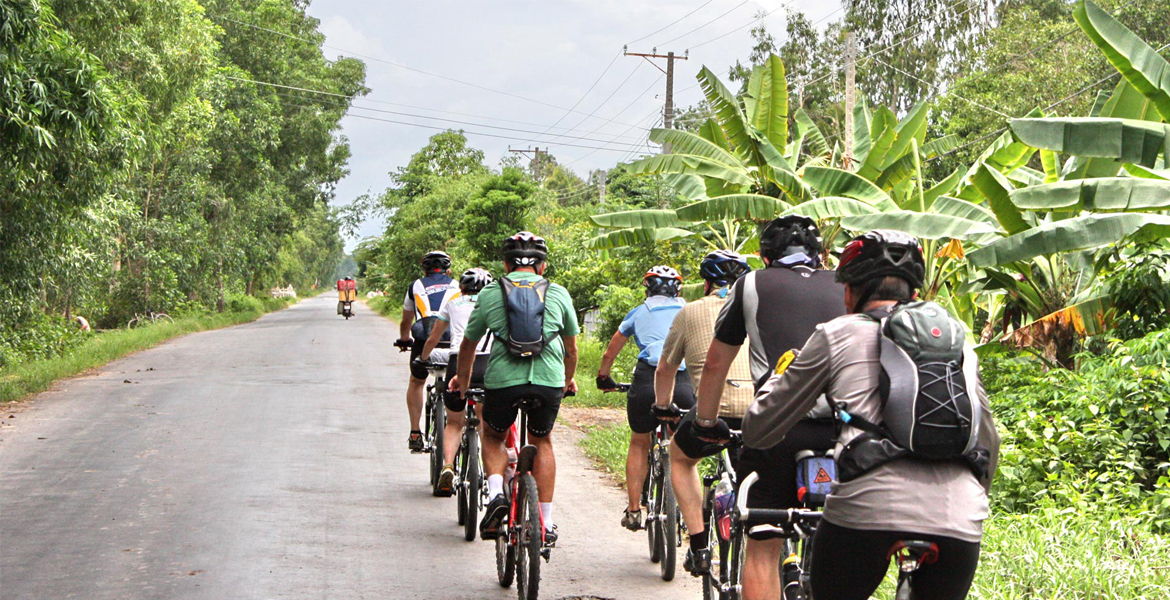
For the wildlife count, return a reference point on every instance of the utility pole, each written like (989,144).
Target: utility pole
(536,152)
(850,93)
(668,113)
(603,174)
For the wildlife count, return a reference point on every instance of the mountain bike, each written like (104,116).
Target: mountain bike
(520,545)
(469,484)
(718,503)
(797,525)
(910,555)
(436,420)
(150,318)
(663,520)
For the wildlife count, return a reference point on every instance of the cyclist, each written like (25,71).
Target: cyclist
(776,309)
(425,297)
(939,501)
(689,339)
(454,316)
(648,324)
(543,376)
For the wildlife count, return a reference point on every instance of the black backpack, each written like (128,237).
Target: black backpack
(930,410)
(524,302)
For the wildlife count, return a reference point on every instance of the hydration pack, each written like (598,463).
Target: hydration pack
(930,410)
(524,301)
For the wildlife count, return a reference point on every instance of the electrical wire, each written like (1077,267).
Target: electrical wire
(604,102)
(703,25)
(582,98)
(672,24)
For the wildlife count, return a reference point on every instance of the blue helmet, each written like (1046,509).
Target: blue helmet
(722,267)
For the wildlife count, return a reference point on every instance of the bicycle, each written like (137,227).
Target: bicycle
(154,317)
(469,484)
(797,525)
(717,504)
(436,420)
(519,549)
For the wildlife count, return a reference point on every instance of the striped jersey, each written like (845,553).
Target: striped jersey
(428,295)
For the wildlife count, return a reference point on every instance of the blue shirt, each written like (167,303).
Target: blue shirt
(649,323)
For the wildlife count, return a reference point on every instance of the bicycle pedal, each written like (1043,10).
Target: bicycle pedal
(546,552)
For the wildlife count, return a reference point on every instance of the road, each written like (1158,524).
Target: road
(268,461)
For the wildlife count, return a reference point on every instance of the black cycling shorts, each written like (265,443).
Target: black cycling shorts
(641,397)
(776,466)
(452,400)
(500,407)
(849,564)
(416,347)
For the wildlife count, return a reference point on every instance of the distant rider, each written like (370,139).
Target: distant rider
(425,297)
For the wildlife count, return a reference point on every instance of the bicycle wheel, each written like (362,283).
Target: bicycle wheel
(461,481)
(162,317)
(473,484)
(735,564)
(438,421)
(669,530)
(713,579)
(505,559)
(531,540)
(653,494)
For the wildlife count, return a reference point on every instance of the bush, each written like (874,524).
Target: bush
(42,336)
(1095,439)
(1141,292)
(614,302)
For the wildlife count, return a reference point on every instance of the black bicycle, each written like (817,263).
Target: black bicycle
(796,525)
(471,492)
(720,582)
(663,523)
(435,413)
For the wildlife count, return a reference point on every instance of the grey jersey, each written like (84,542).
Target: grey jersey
(841,360)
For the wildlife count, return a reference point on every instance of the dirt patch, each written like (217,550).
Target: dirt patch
(587,418)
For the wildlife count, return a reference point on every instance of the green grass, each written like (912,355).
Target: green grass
(386,307)
(607,445)
(28,378)
(589,351)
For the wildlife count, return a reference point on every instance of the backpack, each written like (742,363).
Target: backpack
(524,304)
(930,409)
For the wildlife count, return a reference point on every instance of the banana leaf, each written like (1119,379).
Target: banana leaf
(1106,194)
(995,188)
(1144,173)
(662,164)
(837,182)
(862,135)
(690,187)
(940,145)
(1125,140)
(1078,233)
(768,88)
(638,219)
(911,128)
(735,206)
(884,131)
(1090,317)
(1050,161)
(808,130)
(929,226)
(726,108)
(955,207)
(945,186)
(1140,64)
(1126,102)
(634,237)
(711,132)
(685,142)
(1026,176)
(833,207)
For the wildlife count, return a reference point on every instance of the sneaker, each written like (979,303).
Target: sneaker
(493,517)
(632,519)
(446,485)
(698,562)
(550,537)
(415,443)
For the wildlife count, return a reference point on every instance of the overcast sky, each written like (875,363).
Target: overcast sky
(546,55)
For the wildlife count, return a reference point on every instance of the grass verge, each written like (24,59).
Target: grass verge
(386,307)
(29,378)
(607,445)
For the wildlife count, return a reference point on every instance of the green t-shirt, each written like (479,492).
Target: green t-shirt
(505,370)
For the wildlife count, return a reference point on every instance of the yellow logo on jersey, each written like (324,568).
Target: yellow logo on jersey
(782,364)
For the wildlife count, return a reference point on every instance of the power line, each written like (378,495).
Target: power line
(399,65)
(672,24)
(936,88)
(627,107)
(748,24)
(582,98)
(603,102)
(704,24)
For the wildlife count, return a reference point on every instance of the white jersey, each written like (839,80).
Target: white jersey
(428,295)
(456,313)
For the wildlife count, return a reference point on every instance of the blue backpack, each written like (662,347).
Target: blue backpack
(524,301)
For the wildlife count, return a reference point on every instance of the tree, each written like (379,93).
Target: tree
(445,155)
(499,209)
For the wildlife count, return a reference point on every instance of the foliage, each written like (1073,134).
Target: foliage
(614,302)
(498,210)
(1139,283)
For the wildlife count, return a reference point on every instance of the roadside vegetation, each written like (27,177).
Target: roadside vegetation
(84,351)
(1046,234)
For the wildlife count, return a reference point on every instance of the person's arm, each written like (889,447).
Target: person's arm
(433,341)
(466,362)
(672,357)
(988,433)
(713,379)
(570,362)
(616,343)
(404,324)
(787,398)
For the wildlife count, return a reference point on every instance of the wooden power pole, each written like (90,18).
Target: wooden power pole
(668,112)
(536,152)
(850,93)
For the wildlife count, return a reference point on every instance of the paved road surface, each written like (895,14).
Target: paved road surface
(267,461)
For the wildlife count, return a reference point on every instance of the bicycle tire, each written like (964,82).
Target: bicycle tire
(132,323)
(461,486)
(735,559)
(531,540)
(474,486)
(670,528)
(505,560)
(161,316)
(653,493)
(439,422)
(712,580)
(902,592)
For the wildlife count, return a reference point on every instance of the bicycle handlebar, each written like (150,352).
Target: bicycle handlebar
(621,387)
(790,516)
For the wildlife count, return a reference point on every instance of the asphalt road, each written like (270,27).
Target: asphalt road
(268,461)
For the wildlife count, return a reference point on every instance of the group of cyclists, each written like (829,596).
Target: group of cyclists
(772,364)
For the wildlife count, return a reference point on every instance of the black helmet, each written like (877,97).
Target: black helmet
(436,261)
(789,235)
(662,280)
(349,277)
(882,253)
(473,280)
(525,249)
(722,267)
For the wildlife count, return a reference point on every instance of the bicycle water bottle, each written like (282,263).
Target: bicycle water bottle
(724,501)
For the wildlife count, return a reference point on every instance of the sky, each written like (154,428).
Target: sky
(536,73)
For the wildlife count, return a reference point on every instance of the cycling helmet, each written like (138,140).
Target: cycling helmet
(473,280)
(349,277)
(789,235)
(436,261)
(525,249)
(662,281)
(722,267)
(882,253)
